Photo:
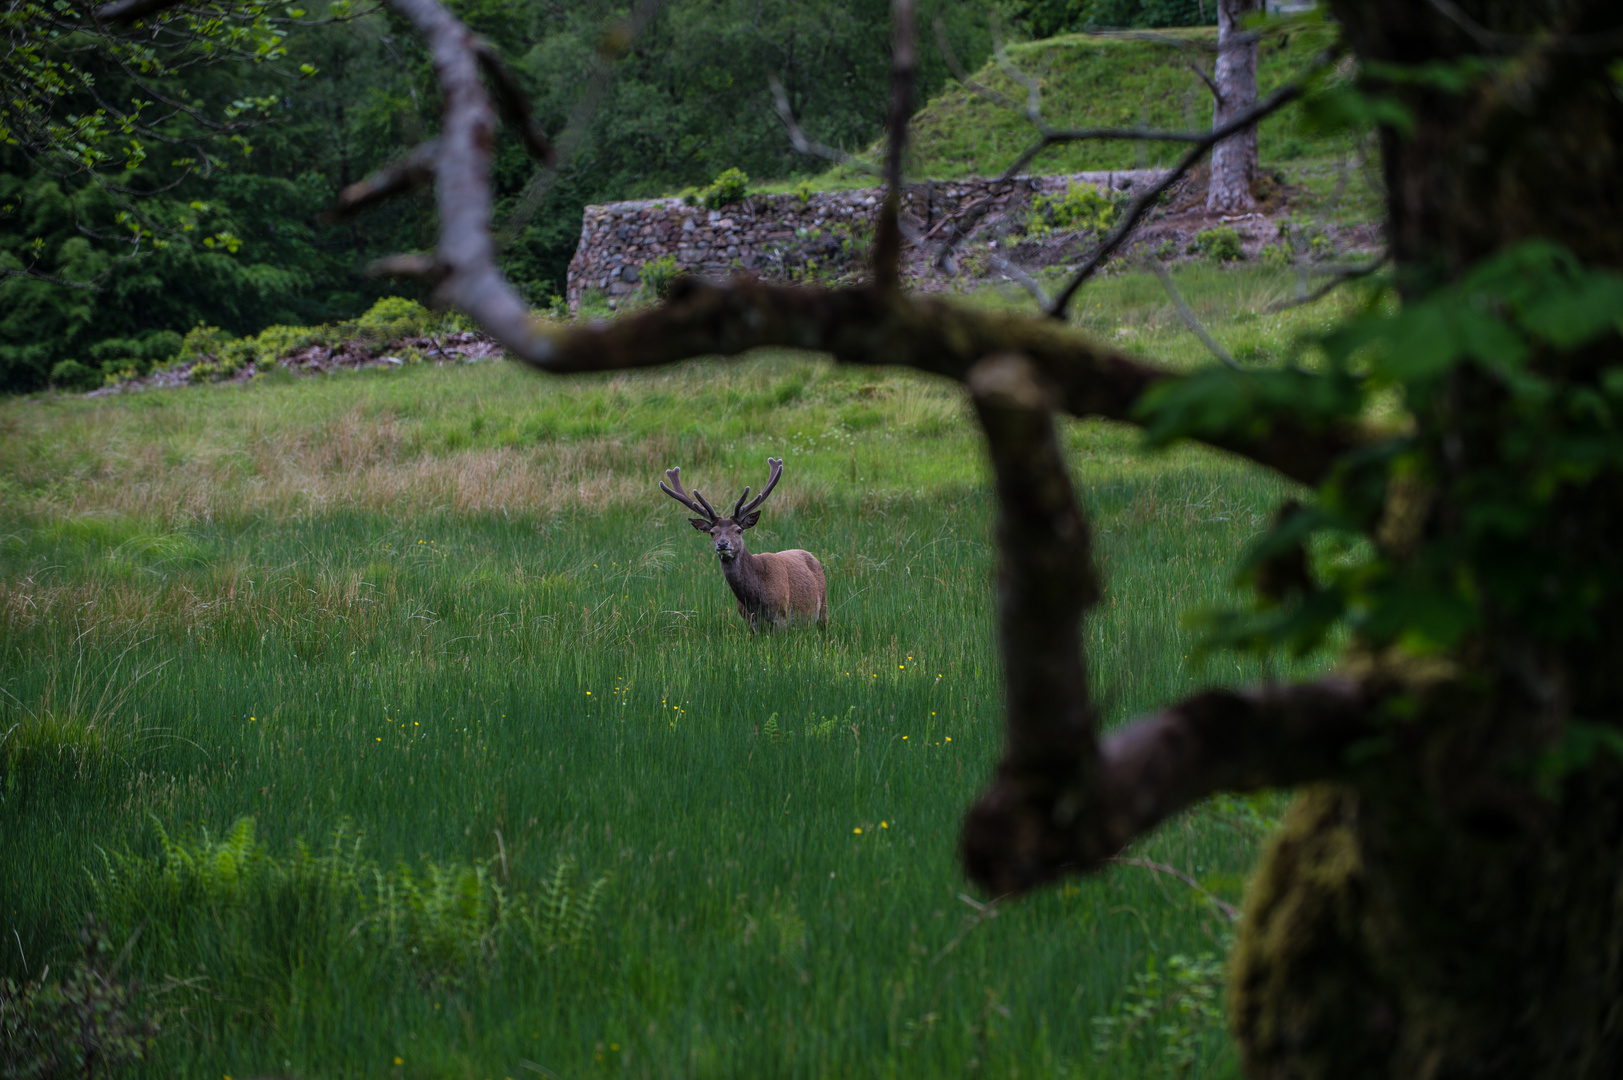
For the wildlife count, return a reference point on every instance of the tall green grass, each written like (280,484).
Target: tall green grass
(504,789)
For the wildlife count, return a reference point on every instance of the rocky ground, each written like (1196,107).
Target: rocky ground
(1167,234)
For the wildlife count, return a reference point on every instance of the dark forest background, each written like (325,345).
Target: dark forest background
(109,262)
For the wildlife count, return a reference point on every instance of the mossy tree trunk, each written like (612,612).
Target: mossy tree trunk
(1445,915)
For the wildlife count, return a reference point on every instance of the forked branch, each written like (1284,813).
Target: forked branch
(1063,801)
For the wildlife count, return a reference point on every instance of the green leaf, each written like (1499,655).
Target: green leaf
(1577,747)
(1345,107)
(1576,315)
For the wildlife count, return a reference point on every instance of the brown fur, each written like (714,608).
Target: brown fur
(773,588)
(778,587)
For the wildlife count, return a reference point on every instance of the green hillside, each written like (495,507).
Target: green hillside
(1092,80)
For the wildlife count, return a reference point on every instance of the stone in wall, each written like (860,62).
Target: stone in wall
(773,236)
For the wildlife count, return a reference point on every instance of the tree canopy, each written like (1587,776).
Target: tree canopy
(154,181)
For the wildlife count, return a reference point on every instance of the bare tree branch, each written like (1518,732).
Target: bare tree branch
(1049,136)
(514,104)
(1020,277)
(1228,910)
(959,72)
(130,10)
(615,44)
(1205,78)
(805,145)
(1187,314)
(414,171)
(1060,136)
(1027,829)
(887,245)
(465,255)
(40,275)
(1338,278)
(1046,581)
(1061,800)
(862,326)
(1034,86)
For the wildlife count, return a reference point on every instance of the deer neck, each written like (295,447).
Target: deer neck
(743,574)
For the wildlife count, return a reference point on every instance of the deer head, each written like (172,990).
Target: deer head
(726,533)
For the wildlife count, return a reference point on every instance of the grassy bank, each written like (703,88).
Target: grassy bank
(526,798)
(1103,80)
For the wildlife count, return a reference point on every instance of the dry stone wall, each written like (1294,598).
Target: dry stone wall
(773,235)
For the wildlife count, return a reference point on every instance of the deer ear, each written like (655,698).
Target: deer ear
(748,521)
(700,523)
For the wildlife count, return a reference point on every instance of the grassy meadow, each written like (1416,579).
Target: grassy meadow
(394,724)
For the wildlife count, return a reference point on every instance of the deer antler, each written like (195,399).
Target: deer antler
(775,467)
(676,491)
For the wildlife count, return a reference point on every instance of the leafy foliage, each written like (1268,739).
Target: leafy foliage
(85,1025)
(1512,334)
(211,354)
(726,189)
(658,275)
(444,921)
(1177,1001)
(1080,206)
(1220,243)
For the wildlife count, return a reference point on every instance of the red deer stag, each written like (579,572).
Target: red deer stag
(774,587)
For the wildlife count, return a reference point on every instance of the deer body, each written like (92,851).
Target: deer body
(773,588)
(778,587)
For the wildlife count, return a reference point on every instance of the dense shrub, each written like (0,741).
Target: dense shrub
(728,188)
(659,274)
(394,317)
(1221,243)
(1081,206)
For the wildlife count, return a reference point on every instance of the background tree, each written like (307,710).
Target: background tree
(1045,18)
(1443,900)
(1234,160)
